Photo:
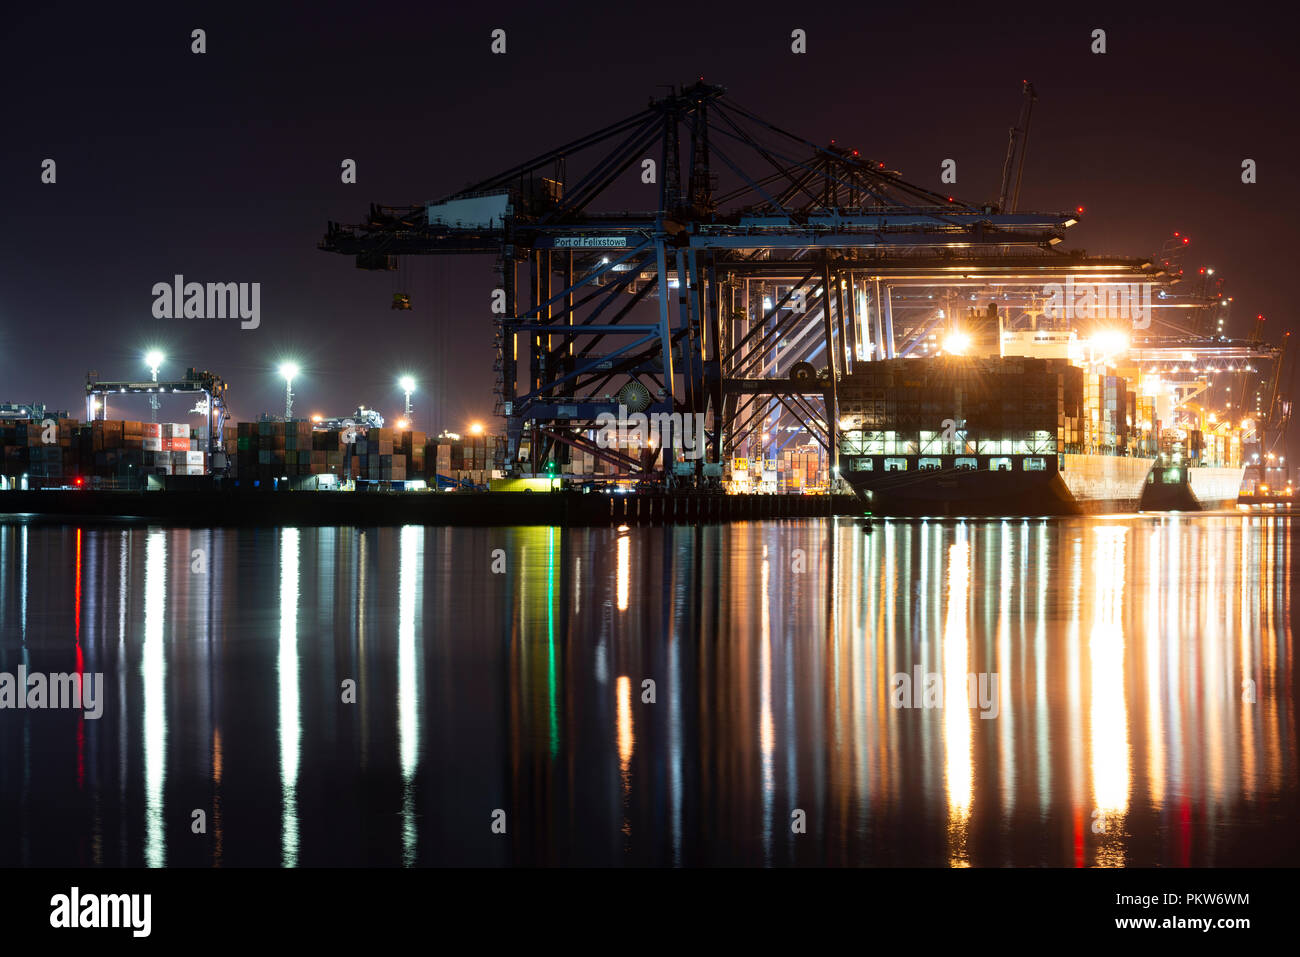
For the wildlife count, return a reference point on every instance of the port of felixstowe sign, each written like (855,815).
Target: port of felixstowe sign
(589,242)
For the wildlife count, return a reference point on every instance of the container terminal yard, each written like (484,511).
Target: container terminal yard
(835,330)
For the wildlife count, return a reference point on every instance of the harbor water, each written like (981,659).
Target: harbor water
(1103,691)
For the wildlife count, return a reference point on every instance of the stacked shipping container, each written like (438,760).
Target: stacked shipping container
(474,458)
(113,449)
(121,450)
(266,451)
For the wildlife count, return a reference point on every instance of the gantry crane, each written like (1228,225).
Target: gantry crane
(1276,417)
(1255,339)
(198,383)
(741,293)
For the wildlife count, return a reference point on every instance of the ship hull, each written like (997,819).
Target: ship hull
(1065,485)
(1192,490)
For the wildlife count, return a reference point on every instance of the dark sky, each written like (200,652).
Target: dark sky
(225,166)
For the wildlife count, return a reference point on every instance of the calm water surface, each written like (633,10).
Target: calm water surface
(1145,680)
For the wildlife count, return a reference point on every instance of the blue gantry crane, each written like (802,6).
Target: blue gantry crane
(624,284)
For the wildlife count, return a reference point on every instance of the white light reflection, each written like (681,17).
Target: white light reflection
(22,587)
(623,571)
(123,592)
(766,733)
(1041,714)
(626,741)
(1109,709)
(1156,678)
(957,714)
(153,671)
(411,564)
(290,715)
(1006,666)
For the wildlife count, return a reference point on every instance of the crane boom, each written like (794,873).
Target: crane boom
(1009,197)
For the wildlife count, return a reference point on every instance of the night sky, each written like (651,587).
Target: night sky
(225,166)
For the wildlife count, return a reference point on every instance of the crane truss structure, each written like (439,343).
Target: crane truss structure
(197,383)
(763,253)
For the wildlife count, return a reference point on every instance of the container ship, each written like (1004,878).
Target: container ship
(1191,488)
(1200,466)
(990,436)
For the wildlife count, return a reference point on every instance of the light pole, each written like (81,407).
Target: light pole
(408,386)
(154,360)
(288,370)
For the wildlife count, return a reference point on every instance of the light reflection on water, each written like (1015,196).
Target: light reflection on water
(1144,666)
(290,709)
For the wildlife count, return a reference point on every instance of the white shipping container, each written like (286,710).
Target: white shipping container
(152,444)
(189,470)
(193,458)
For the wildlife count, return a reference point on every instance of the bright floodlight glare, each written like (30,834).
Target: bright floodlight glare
(407,383)
(476,428)
(153,358)
(289,370)
(956,344)
(1110,341)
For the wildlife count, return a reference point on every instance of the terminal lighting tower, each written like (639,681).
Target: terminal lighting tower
(408,386)
(288,370)
(154,360)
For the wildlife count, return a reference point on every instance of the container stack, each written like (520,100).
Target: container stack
(115,450)
(476,458)
(379,457)
(1147,423)
(170,448)
(268,451)
(259,452)
(413,445)
(328,448)
(1112,397)
(1012,405)
(801,468)
(442,459)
